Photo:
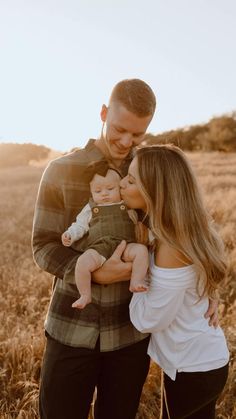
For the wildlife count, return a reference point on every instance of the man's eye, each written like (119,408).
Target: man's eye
(119,130)
(110,189)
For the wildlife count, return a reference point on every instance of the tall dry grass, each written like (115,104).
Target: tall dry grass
(25,290)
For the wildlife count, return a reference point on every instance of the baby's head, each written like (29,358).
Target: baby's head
(106,189)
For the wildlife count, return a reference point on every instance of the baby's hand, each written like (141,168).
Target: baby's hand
(66,239)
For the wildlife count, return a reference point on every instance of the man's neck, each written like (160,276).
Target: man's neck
(99,143)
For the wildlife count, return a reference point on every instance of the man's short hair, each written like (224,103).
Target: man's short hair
(135,95)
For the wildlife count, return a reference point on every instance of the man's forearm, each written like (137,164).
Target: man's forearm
(106,278)
(114,269)
(49,223)
(53,257)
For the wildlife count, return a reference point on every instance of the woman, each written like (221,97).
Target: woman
(186,267)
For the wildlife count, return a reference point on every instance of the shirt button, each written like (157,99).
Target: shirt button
(95,210)
(122,207)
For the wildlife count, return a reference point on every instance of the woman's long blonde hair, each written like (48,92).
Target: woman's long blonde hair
(176,212)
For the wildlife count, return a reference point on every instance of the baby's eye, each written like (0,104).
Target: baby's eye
(110,189)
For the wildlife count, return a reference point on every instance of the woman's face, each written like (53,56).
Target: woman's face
(130,190)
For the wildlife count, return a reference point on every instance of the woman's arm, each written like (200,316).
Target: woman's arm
(156,309)
(170,257)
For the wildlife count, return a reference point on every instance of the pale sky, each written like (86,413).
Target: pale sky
(59,60)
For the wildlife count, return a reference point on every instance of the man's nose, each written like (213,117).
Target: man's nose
(126,140)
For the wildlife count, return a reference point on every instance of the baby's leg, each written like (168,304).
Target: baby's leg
(87,263)
(138,254)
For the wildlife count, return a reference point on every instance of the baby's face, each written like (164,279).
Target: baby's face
(106,190)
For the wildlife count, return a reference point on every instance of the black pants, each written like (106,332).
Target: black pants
(193,395)
(70,375)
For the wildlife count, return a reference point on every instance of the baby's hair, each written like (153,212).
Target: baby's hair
(114,170)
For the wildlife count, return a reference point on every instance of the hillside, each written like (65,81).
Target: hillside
(219,134)
(12,154)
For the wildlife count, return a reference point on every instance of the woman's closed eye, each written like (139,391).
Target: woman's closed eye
(131,180)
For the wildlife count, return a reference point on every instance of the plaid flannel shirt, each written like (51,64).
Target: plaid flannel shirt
(63,192)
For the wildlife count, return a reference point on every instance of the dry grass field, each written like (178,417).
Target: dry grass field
(25,289)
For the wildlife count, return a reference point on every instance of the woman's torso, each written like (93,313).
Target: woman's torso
(181,338)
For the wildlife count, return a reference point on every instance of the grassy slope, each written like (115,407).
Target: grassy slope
(25,290)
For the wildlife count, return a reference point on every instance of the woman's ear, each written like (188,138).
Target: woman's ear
(103,113)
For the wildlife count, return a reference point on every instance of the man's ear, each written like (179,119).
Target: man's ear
(103,113)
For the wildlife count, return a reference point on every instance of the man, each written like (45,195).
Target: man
(96,347)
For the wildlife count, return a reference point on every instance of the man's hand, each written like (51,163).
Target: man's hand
(114,269)
(212,312)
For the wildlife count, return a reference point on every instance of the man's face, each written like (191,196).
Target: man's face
(124,130)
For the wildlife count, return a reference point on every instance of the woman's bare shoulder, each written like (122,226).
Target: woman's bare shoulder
(169,257)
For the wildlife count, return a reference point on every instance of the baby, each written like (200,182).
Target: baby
(107,221)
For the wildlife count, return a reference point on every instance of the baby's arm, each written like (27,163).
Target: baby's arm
(138,254)
(79,228)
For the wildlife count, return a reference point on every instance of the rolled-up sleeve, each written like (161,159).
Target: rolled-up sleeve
(48,224)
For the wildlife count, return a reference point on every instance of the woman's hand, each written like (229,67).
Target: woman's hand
(212,312)
(114,269)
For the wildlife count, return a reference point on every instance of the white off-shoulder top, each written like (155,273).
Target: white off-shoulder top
(181,339)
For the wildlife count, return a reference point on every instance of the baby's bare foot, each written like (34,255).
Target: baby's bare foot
(82,301)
